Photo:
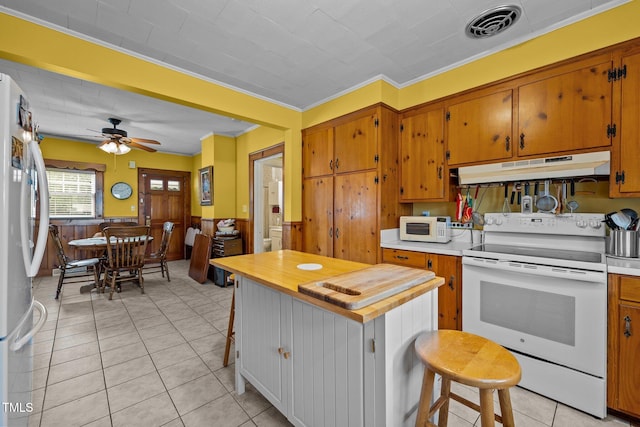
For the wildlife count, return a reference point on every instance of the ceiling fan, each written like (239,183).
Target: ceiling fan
(117,141)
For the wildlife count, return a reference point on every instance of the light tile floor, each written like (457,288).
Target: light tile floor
(156,360)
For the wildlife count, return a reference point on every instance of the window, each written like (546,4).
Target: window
(72,194)
(75,189)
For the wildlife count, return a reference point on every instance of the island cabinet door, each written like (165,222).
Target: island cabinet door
(263,321)
(327,357)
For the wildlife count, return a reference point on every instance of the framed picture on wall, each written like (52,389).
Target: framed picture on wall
(206,186)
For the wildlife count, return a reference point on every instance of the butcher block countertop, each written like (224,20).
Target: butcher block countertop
(279,271)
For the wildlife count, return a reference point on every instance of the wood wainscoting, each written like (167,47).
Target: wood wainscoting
(291,232)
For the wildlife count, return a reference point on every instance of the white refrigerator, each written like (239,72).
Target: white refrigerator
(23,184)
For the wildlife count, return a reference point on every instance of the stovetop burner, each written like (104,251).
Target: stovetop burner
(558,254)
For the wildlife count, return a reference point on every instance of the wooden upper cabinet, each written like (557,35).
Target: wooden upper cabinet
(479,130)
(566,112)
(625,174)
(317,152)
(422,168)
(356,144)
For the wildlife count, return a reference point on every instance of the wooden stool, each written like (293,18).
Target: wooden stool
(232,315)
(471,360)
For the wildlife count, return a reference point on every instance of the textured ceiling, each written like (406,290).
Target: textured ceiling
(297,53)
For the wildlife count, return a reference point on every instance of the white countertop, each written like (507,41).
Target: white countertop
(619,265)
(461,240)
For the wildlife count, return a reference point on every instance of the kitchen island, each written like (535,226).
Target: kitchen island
(316,362)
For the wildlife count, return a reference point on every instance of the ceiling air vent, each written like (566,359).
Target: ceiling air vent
(493,21)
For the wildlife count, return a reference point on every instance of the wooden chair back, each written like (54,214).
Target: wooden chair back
(167,230)
(54,233)
(127,247)
(84,270)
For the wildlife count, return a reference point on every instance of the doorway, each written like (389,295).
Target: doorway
(165,195)
(267,205)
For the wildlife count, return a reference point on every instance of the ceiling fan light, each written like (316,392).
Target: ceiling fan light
(110,147)
(123,149)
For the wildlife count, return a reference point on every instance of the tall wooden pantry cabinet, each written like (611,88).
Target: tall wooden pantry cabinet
(350,188)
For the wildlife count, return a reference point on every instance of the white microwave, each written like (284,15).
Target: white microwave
(434,229)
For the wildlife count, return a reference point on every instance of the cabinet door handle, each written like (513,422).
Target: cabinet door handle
(507,143)
(331,232)
(286,354)
(402,257)
(452,280)
(440,172)
(331,164)
(337,233)
(337,163)
(280,350)
(627,326)
(522,141)
(429,264)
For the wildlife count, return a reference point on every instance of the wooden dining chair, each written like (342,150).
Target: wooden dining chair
(158,260)
(125,256)
(73,271)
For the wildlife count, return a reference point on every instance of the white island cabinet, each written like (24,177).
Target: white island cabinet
(319,364)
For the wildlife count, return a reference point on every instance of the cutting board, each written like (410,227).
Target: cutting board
(364,287)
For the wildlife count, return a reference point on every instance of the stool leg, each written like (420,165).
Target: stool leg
(443,412)
(487,416)
(505,408)
(424,404)
(230,329)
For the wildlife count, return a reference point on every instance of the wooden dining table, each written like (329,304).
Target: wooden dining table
(94,243)
(98,245)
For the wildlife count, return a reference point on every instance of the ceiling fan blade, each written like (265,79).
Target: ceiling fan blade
(106,141)
(145,141)
(142,147)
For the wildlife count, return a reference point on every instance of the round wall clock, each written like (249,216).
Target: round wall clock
(121,190)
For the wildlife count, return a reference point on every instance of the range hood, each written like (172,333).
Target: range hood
(586,164)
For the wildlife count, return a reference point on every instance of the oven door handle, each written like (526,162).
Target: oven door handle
(536,270)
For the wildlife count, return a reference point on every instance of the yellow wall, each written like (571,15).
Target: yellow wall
(220,152)
(196,209)
(224,172)
(117,168)
(207,159)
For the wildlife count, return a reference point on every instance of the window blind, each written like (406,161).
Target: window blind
(72,194)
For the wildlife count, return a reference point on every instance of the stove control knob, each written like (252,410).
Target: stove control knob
(595,224)
(581,223)
(498,221)
(489,221)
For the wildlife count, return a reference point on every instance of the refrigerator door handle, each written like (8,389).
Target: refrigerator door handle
(19,343)
(32,264)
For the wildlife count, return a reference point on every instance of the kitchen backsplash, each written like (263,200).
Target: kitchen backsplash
(591,196)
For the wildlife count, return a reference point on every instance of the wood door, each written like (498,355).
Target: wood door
(166,196)
(422,156)
(480,129)
(450,294)
(317,216)
(629,369)
(356,144)
(317,152)
(629,128)
(566,112)
(355,217)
